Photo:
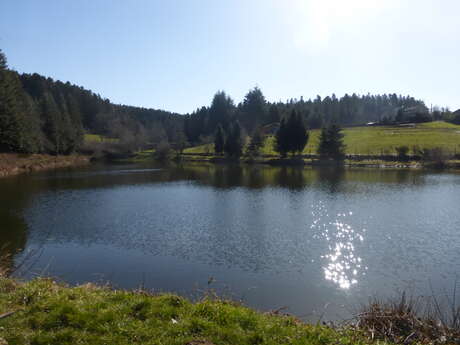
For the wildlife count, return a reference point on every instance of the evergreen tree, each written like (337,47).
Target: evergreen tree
(292,135)
(331,143)
(257,141)
(273,114)
(33,137)
(233,144)
(51,125)
(219,140)
(281,139)
(298,133)
(19,130)
(400,115)
(220,112)
(253,110)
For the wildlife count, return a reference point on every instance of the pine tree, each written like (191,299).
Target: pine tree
(331,143)
(291,136)
(233,144)
(299,133)
(257,141)
(273,114)
(281,139)
(19,130)
(219,140)
(32,135)
(253,110)
(237,140)
(52,124)
(220,112)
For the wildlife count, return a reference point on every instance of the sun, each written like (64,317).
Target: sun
(316,21)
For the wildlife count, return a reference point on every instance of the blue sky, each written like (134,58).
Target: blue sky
(175,54)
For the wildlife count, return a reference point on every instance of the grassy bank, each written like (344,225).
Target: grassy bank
(14,164)
(49,313)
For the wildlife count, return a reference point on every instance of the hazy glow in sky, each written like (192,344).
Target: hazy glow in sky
(175,54)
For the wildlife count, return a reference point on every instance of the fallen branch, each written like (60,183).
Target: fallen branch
(5,315)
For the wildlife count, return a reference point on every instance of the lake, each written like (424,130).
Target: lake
(316,241)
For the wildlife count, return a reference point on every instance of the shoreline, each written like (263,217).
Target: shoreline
(312,162)
(12,164)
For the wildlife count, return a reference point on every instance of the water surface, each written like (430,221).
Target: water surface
(318,241)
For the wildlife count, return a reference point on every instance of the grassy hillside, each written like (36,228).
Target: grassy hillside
(52,314)
(99,138)
(379,140)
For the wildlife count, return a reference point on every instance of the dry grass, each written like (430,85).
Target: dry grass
(14,163)
(410,320)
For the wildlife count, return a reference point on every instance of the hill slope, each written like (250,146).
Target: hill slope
(378,140)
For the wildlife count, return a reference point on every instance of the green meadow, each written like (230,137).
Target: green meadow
(99,138)
(379,140)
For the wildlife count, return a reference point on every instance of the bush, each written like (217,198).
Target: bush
(162,151)
(435,157)
(402,152)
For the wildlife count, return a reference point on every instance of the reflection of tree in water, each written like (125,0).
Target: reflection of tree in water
(13,229)
(230,176)
(290,177)
(227,176)
(331,178)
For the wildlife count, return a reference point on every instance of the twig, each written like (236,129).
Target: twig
(5,315)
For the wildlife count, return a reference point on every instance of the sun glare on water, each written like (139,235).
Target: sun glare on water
(342,265)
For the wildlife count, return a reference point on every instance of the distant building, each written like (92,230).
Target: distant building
(409,125)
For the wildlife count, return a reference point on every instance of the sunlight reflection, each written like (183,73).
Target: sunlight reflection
(342,265)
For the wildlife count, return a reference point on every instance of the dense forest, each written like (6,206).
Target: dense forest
(350,110)
(39,114)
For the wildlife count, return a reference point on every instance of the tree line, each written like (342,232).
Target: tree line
(39,114)
(255,112)
(291,137)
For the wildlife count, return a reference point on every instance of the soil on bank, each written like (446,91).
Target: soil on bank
(14,164)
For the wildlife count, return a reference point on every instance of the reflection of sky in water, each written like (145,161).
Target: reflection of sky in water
(342,264)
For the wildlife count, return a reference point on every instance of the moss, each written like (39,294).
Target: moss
(51,313)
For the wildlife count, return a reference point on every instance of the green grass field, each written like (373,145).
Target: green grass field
(46,313)
(99,138)
(377,140)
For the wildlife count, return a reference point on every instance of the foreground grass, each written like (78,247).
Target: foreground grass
(377,140)
(50,313)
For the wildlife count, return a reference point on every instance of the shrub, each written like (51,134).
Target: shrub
(402,152)
(163,151)
(435,157)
